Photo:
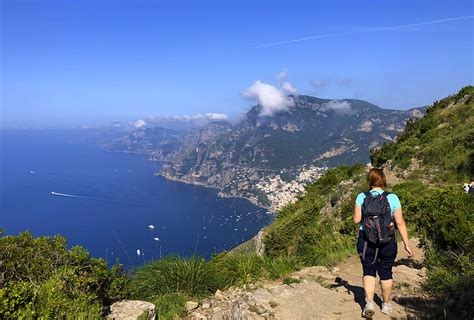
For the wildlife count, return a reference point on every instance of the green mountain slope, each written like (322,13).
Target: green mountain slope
(426,166)
(440,145)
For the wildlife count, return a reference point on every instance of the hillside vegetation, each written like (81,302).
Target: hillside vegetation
(429,161)
(440,146)
(41,278)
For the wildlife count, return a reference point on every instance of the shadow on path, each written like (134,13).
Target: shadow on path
(409,263)
(358,292)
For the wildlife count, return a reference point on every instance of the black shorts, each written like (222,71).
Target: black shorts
(385,257)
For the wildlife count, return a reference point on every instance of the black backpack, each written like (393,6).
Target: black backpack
(376,217)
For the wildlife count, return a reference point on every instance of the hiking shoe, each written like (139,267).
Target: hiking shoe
(369,310)
(386,308)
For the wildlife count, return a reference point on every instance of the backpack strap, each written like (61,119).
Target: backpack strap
(385,193)
(364,250)
(376,254)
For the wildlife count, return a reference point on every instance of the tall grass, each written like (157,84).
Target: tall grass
(170,305)
(191,277)
(277,267)
(236,269)
(171,281)
(325,245)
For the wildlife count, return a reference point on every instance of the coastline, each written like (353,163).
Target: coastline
(130,152)
(220,193)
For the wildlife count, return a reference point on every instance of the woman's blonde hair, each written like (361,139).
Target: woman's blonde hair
(376,178)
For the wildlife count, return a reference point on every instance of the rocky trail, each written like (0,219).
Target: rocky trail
(319,293)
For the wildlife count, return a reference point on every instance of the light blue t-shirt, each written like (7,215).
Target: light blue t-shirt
(392,200)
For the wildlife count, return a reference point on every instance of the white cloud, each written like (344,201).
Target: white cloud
(139,124)
(216,116)
(269,97)
(289,88)
(192,117)
(281,75)
(339,106)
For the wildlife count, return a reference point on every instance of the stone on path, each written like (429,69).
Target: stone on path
(132,310)
(191,305)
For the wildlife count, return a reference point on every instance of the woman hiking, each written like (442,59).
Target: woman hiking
(376,210)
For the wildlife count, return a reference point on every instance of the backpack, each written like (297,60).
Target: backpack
(376,217)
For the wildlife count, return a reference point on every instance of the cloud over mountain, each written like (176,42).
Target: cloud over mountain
(216,116)
(139,124)
(339,106)
(289,88)
(269,97)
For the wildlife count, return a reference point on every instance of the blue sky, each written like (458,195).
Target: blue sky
(66,63)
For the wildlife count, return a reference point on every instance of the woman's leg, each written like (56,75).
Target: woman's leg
(387,258)
(368,267)
(386,286)
(369,287)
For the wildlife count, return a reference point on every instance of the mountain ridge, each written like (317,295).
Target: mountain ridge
(308,137)
(269,159)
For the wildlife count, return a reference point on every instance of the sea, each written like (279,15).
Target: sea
(60,182)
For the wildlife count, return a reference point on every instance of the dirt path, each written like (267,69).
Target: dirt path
(318,293)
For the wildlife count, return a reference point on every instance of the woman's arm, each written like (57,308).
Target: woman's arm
(357,214)
(402,228)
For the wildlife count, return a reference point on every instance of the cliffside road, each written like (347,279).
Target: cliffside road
(318,293)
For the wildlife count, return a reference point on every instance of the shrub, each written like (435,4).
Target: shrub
(444,217)
(42,278)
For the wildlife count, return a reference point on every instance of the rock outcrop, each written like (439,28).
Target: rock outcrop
(132,310)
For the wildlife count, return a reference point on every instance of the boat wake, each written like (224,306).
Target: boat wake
(93,198)
(69,195)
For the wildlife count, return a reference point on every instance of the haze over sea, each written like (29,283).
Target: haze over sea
(114,198)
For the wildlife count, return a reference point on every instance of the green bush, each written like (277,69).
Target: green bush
(41,278)
(444,218)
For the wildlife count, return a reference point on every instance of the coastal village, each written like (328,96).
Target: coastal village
(280,192)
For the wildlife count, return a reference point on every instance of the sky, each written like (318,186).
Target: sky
(67,63)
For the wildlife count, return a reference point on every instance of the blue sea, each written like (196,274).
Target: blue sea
(60,182)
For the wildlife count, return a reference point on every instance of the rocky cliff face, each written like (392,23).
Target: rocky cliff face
(247,159)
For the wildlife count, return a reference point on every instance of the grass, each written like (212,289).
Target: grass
(171,281)
(323,282)
(289,281)
(170,305)
(191,277)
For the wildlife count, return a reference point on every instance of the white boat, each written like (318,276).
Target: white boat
(151,226)
(156,239)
